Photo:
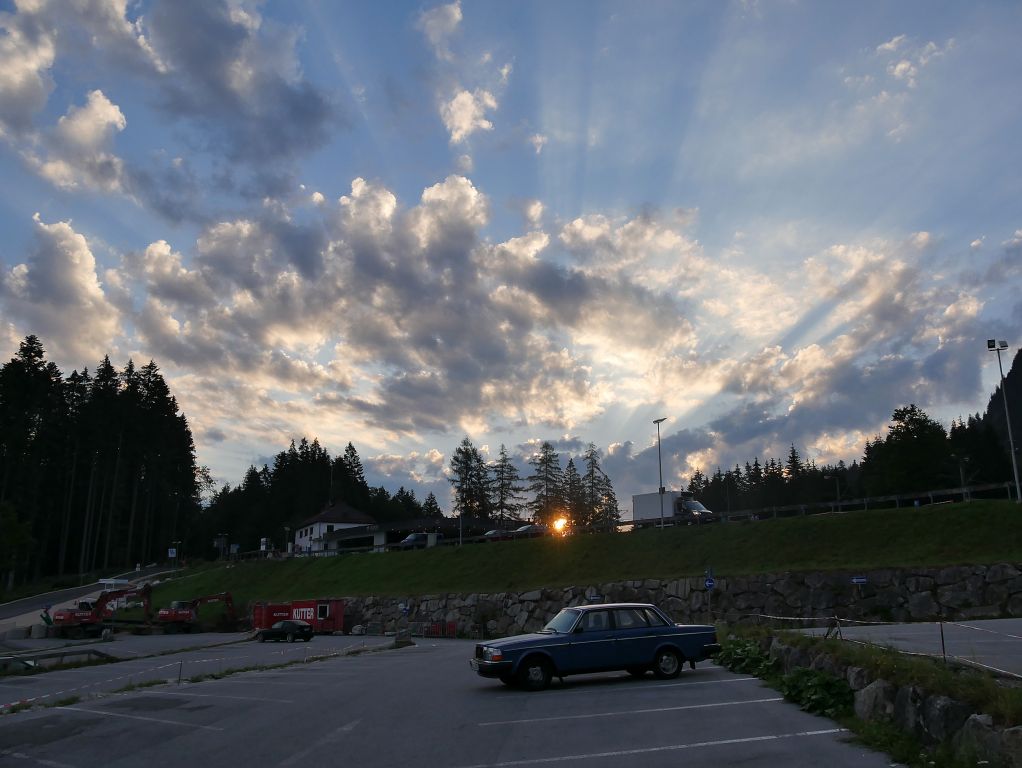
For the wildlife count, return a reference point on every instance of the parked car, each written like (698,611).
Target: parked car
(691,512)
(289,629)
(498,534)
(635,637)
(529,531)
(418,540)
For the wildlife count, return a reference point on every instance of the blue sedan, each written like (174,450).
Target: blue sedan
(635,637)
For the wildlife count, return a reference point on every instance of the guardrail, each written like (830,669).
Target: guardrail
(32,659)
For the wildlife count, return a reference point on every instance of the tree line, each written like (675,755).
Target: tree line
(917,454)
(494,492)
(96,470)
(303,480)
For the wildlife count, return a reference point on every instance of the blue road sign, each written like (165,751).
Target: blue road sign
(710,583)
(859,579)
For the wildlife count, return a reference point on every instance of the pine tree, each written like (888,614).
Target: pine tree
(546,484)
(430,507)
(506,490)
(469,479)
(574,496)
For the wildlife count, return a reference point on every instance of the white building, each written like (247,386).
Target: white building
(311,535)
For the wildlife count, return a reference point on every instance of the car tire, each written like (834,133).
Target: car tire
(667,664)
(290,637)
(260,638)
(534,673)
(306,639)
(637,671)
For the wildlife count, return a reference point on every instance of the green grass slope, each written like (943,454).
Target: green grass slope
(980,532)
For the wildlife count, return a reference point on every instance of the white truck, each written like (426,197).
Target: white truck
(680,508)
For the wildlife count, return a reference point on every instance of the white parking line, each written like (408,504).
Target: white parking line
(645,686)
(333,736)
(36,760)
(217,696)
(649,750)
(552,718)
(140,717)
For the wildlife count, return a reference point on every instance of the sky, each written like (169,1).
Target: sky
(400,224)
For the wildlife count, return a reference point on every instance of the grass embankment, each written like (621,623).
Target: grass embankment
(980,532)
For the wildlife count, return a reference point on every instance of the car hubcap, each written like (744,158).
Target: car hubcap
(668,664)
(536,674)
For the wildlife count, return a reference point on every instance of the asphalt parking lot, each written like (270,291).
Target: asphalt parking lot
(423,706)
(994,644)
(214,654)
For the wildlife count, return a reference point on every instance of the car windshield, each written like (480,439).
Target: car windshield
(695,506)
(562,622)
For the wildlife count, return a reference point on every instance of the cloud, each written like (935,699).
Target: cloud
(56,294)
(78,149)
(238,77)
(27,52)
(538,141)
(533,212)
(438,25)
(465,113)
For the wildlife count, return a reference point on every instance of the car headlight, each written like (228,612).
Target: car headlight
(492,654)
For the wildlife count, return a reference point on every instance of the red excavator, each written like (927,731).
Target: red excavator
(183,615)
(91,617)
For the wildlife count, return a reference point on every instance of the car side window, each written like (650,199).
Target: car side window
(629,618)
(654,618)
(596,621)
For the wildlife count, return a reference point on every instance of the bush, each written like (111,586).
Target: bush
(817,692)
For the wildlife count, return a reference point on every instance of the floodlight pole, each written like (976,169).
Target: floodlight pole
(660,465)
(997,346)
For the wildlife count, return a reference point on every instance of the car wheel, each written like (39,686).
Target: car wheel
(637,671)
(306,639)
(260,638)
(667,664)
(290,637)
(534,673)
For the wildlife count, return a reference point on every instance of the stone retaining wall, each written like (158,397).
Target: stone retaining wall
(932,718)
(907,594)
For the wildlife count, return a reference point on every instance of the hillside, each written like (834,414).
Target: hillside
(980,532)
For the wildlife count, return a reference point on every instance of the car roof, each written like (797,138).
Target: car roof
(597,606)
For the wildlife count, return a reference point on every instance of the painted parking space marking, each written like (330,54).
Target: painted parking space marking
(640,686)
(652,750)
(330,738)
(35,760)
(191,695)
(140,717)
(619,713)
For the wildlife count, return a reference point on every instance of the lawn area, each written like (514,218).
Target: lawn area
(980,532)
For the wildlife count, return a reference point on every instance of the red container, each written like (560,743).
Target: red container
(265,615)
(325,615)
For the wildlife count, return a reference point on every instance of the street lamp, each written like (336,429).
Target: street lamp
(287,539)
(660,464)
(996,346)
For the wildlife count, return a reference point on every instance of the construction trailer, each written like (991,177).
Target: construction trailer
(326,615)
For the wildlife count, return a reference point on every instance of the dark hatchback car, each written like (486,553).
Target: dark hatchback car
(635,637)
(529,531)
(289,629)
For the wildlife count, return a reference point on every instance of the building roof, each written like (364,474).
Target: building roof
(339,512)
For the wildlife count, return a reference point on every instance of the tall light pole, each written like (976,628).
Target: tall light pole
(660,464)
(997,346)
